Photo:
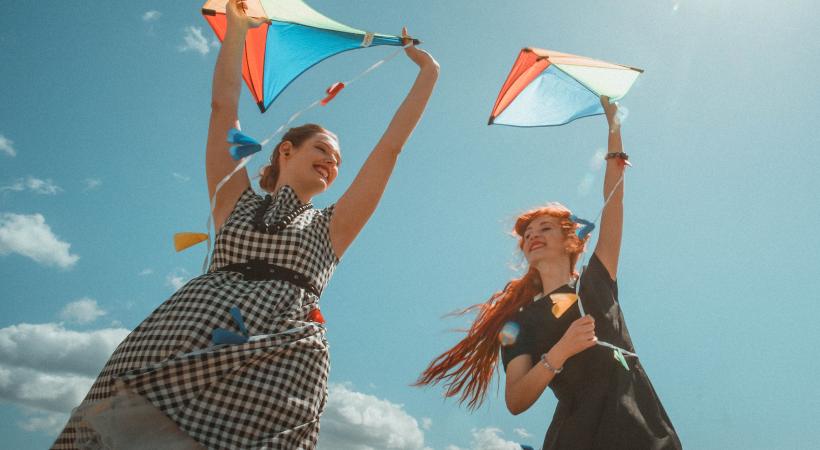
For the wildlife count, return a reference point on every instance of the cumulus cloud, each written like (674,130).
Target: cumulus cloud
(91,183)
(48,422)
(150,16)
(177,278)
(357,421)
(30,236)
(49,392)
(522,432)
(7,146)
(50,368)
(490,439)
(51,348)
(84,310)
(194,40)
(33,184)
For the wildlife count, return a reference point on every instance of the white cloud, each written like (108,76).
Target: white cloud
(36,185)
(92,183)
(51,348)
(50,368)
(48,422)
(181,177)
(48,392)
(7,146)
(356,421)
(150,16)
(522,432)
(426,423)
(145,272)
(489,439)
(84,310)
(30,236)
(194,40)
(177,278)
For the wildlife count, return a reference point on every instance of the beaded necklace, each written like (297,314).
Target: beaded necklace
(261,226)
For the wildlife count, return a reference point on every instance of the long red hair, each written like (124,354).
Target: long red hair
(467,368)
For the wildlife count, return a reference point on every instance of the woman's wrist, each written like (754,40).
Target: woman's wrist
(556,356)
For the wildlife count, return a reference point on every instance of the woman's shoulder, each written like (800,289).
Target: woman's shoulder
(595,271)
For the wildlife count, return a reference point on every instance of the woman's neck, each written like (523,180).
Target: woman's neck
(552,275)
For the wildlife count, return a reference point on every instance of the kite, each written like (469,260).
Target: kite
(297,38)
(547,88)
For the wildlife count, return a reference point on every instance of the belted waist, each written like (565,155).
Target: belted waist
(259,270)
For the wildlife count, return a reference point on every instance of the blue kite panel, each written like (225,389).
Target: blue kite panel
(292,49)
(553,98)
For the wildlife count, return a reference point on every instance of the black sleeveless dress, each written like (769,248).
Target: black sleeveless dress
(601,405)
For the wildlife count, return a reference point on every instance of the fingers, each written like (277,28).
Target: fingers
(587,319)
(405,38)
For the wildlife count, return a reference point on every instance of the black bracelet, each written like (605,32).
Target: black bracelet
(619,155)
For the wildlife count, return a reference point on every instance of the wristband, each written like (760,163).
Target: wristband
(619,155)
(547,365)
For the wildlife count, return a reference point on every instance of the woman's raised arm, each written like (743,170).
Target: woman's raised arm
(227,83)
(357,204)
(608,247)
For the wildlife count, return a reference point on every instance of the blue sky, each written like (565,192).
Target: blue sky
(102,129)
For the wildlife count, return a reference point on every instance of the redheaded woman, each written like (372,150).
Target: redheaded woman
(237,358)
(545,342)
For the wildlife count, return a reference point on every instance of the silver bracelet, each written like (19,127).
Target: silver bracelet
(548,366)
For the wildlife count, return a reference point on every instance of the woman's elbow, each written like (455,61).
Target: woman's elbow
(515,408)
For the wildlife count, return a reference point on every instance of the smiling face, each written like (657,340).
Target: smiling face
(311,166)
(544,239)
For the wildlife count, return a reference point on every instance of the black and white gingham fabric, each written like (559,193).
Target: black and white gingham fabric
(265,394)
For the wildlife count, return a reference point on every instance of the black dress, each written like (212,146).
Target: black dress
(601,405)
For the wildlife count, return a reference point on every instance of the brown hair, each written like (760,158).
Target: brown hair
(269,174)
(468,367)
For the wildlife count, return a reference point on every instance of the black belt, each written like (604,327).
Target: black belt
(259,270)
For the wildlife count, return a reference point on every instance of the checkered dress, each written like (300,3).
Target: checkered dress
(266,393)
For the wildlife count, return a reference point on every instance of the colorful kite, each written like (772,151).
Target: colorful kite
(297,38)
(546,88)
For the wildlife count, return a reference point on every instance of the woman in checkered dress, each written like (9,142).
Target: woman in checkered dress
(167,385)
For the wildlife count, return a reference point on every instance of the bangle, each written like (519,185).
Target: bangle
(547,365)
(619,155)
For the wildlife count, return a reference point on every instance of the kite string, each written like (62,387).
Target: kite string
(265,142)
(583,260)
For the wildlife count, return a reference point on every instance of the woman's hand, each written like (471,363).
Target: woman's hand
(578,337)
(238,20)
(418,56)
(611,111)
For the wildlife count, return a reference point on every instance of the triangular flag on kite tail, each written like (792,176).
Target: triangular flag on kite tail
(546,88)
(297,38)
(187,239)
(242,145)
